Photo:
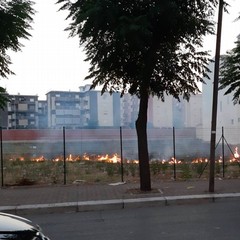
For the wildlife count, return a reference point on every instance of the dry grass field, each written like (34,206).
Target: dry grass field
(107,170)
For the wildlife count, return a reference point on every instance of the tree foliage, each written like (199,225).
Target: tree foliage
(230,72)
(15,20)
(3,98)
(143,47)
(127,41)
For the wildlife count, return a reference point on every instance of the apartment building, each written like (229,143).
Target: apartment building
(173,113)
(129,110)
(160,114)
(228,114)
(63,109)
(99,110)
(90,109)
(42,114)
(22,111)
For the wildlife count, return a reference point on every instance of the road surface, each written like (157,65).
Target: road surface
(203,221)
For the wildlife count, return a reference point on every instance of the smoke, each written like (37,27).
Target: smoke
(162,143)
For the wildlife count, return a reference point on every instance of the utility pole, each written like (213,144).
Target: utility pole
(215,98)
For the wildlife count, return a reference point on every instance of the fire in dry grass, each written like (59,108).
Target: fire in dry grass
(115,158)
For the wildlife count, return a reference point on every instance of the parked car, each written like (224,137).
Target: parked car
(13,227)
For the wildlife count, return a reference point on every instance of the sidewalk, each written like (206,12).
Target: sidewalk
(85,197)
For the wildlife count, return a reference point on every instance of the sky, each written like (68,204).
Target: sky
(51,61)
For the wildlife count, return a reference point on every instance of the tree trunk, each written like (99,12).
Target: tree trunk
(143,156)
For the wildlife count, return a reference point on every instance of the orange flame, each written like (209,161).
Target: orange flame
(115,159)
(236,154)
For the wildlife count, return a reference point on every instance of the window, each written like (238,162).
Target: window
(22,99)
(22,107)
(31,107)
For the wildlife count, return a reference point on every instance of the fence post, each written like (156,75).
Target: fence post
(223,153)
(121,153)
(1,146)
(174,155)
(64,157)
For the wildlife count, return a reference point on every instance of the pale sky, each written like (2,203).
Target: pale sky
(51,60)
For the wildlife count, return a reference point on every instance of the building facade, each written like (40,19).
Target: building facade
(129,110)
(63,109)
(90,109)
(22,111)
(228,114)
(42,114)
(173,113)
(99,110)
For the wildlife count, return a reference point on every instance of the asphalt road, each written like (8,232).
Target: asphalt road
(205,221)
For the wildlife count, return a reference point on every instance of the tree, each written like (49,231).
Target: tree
(143,47)
(230,72)
(15,19)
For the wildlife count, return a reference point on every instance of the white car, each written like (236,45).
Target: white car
(13,227)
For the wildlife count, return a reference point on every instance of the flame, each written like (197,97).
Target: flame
(236,154)
(40,159)
(174,161)
(70,158)
(115,159)
(103,157)
(85,157)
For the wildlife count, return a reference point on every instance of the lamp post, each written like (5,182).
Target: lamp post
(215,98)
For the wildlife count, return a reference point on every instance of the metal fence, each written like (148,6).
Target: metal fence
(105,155)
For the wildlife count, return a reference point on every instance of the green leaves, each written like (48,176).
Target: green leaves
(15,19)
(143,44)
(3,98)
(230,72)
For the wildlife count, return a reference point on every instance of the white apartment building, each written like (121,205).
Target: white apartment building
(174,113)
(129,110)
(99,110)
(228,114)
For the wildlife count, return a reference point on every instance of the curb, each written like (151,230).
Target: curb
(100,205)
